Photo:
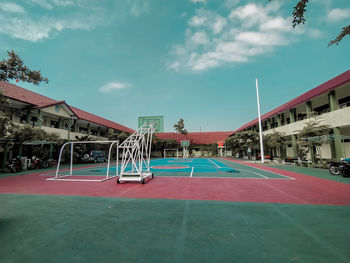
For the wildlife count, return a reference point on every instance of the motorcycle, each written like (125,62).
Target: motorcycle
(37,163)
(340,168)
(15,165)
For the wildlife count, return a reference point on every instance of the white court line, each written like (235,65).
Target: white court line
(199,177)
(215,164)
(256,173)
(192,171)
(263,170)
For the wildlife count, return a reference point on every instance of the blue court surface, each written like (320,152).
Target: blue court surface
(191,167)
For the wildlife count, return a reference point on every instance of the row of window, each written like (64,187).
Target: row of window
(55,124)
(344,102)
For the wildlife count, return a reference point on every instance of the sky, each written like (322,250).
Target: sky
(190,59)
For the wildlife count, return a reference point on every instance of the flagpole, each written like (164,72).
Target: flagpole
(259,116)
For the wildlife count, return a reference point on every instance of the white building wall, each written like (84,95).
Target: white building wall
(347,149)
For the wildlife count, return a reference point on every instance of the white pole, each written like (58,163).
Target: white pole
(259,116)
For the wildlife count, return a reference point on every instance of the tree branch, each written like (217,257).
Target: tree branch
(345,31)
(298,13)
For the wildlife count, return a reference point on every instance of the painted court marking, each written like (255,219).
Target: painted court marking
(214,164)
(192,171)
(263,170)
(256,174)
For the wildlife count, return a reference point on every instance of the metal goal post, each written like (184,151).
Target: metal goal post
(71,144)
(171,150)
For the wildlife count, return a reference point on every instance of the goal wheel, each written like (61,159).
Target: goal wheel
(143,181)
(152,175)
(118,181)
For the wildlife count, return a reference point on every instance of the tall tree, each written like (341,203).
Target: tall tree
(241,141)
(299,11)
(13,68)
(180,127)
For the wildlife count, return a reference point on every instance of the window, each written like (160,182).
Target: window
(302,116)
(322,109)
(83,130)
(34,121)
(23,119)
(344,102)
(54,124)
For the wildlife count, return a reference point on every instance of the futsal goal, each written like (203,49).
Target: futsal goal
(171,153)
(72,174)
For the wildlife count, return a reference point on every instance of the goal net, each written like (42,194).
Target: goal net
(74,157)
(171,153)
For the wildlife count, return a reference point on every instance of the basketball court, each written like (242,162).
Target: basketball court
(172,210)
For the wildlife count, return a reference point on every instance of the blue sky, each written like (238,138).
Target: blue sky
(190,59)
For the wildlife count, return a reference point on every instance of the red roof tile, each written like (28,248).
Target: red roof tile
(196,137)
(99,120)
(24,95)
(325,87)
(40,101)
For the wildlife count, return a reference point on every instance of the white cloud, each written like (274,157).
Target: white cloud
(200,38)
(198,1)
(338,14)
(50,4)
(11,8)
(139,7)
(278,23)
(247,31)
(261,39)
(113,86)
(35,30)
(219,24)
(197,21)
(43,3)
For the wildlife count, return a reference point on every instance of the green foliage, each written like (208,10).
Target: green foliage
(159,144)
(209,150)
(275,140)
(180,127)
(5,126)
(240,141)
(345,31)
(117,136)
(13,68)
(312,129)
(299,18)
(28,133)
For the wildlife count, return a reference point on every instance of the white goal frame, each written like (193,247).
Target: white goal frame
(137,155)
(177,152)
(71,143)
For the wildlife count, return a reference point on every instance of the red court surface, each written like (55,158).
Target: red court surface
(303,190)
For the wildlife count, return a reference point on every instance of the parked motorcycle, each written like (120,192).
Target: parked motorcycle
(37,163)
(340,168)
(15,165)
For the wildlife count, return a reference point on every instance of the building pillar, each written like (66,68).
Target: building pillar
(338,146)
(40,118)
(20,149)
(308,108)
(294,146)
(268,122)
(88,129)
(6,148)
(98,131)
(333,103)
(51,150)
(69,128)
(279,120)
(75,126)
(28,117)
(292,115)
